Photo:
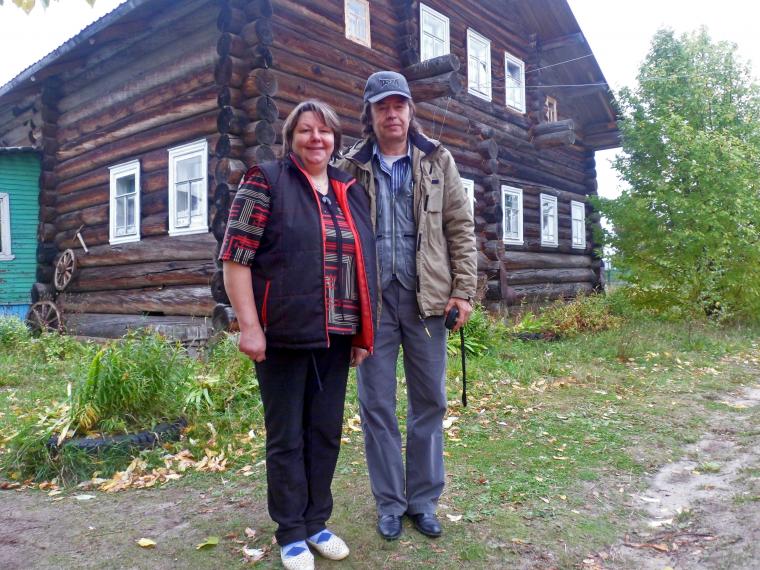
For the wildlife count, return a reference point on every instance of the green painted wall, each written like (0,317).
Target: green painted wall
(19,178)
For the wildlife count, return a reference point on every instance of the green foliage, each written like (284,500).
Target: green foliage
(583,314)
(686,230)
(13,332)
(131,383)
(479,334)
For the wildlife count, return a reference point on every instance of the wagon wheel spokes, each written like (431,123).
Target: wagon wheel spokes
(44,316)
(64,270)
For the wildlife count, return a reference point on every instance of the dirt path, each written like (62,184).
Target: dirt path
(702,512)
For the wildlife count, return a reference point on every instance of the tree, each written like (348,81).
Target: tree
(685,232)
(28,5)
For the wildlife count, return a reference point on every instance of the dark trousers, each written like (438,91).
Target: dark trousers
(303,392)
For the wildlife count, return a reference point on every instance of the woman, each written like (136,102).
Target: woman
(299,269)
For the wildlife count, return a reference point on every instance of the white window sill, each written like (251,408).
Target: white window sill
(124,239)
(188,231)
(545,244)
(513,242)
(479,94)
(7,257)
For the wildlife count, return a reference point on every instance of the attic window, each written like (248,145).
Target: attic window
(357,21)
(551,110)
(434,33)
(5,228)
(478,65)
(515,82)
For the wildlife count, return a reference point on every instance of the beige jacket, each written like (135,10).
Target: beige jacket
(446,257)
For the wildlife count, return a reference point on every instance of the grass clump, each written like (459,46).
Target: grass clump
(584,314)
(13,332)
(131,384)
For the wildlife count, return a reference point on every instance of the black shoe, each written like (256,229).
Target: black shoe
(427,524)
(389,526)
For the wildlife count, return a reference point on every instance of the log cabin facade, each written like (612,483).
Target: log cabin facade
(148,118)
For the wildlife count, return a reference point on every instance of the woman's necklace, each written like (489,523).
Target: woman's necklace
(321,186)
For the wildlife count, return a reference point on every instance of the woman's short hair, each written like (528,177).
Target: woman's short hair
(366,120)
(326,114)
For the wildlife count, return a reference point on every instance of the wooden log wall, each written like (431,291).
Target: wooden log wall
(21,121)
(132,98)
(246,87)
(492,144)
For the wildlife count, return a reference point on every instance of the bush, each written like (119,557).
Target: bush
(583,314)
(481,333)
(131,384)
(13,332)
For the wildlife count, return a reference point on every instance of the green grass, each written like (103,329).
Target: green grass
(555,438)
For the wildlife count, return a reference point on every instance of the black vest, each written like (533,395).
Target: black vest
(288,268)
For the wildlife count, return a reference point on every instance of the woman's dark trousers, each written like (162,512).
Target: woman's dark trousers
(303,392)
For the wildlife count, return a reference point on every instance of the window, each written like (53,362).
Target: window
(551,110)
(478,65)
(469,189)
(5,228)
(124,214)
(549,221)
(515,82)
(512,208)
(434,33)
(188,188)
(578,213)
(357,21)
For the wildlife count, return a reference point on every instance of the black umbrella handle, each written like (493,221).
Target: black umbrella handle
(464,367)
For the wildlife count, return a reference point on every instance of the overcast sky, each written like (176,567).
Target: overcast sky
(619,32)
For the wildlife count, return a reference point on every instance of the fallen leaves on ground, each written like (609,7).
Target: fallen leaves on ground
(138,476)
(146,543)
(210,542)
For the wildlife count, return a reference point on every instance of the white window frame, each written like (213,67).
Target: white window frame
(190,150)
(549,240)
(473,86)
(552,114)
(514,102)
(512,238)
(469,189)
(6,253)
(425,13)
(578,224)
(365,39)
(123,170)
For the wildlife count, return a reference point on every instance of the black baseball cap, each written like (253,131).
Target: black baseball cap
(383,84)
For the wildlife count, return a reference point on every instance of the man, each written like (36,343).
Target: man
(427,261)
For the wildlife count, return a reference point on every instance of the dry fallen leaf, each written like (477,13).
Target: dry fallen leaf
(255,554)
(454,518)
(250,533)
(146,543)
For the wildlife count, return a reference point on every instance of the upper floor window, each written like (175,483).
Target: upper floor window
(478,65)
(124,211)
(5,228)
(515,82)
(469,189)
(357,21)
(551,110)
(549,230)
(512,208)
(434,33)
(578,213)
(188,188)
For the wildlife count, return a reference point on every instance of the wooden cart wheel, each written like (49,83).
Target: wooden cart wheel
(43,317)
(64,269)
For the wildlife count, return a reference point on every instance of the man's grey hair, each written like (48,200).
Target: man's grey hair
(366,120)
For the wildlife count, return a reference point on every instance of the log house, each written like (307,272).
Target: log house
(147,119)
